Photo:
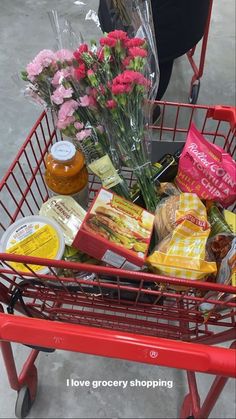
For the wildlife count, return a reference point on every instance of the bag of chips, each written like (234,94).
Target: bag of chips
(207,170)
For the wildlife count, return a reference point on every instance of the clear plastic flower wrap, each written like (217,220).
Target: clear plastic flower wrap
(131,73)
(54,81)
(42,74)
(135,18)
(100,95)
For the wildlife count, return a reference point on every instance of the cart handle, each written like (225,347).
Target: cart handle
(117,344)
(223,113)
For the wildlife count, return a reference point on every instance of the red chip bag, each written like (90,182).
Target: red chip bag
(207,170)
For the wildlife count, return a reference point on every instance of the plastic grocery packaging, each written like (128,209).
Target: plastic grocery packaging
(207,170)
(67,213)
(181,224)
(115,231)
(217,221)
(35,236)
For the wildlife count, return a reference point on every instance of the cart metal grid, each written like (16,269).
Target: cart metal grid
(122,314)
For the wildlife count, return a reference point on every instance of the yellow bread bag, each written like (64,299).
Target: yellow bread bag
(182,252)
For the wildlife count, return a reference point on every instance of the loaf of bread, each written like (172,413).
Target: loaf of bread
(165,216)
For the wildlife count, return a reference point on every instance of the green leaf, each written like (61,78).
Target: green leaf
(24,75)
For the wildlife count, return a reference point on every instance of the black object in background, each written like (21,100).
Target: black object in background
(179,26)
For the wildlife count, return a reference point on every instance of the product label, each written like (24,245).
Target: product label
(67,213)
(113,259)
(80,197)
(34,239)
(104,169)
(231,220)
(128,266)
(127,207)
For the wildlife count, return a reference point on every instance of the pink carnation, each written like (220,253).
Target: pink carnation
(60,94)
(126,61)
(83,134)
(41,61)
(111,104)
(79,125)
(82,49)
(33,70)
(100,54)
(84,100)
(110,42)
(135,42)
(63,124)
(64,55)
(93,92)
(80,72)
(90,73)
(66,113)
(119,89)
(118,34)
(130,76)
(60,76)
(137,52)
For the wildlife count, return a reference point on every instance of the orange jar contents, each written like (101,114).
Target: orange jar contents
(66,173)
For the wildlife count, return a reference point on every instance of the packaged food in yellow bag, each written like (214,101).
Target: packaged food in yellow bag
(182,253)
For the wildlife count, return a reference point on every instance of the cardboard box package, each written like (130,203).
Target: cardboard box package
(116,231)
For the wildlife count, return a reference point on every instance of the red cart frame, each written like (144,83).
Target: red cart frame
(198,69)
(128,315)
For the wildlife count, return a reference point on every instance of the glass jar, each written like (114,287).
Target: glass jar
(66,172)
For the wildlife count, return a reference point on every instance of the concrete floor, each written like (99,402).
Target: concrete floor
(25,30)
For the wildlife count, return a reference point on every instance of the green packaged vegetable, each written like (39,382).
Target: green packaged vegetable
(217,222)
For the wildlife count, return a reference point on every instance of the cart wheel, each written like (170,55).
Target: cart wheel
(194,92)
(23,403)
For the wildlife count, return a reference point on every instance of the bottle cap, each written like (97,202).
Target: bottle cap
(63,151)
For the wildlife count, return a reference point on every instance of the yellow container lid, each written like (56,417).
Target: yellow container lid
(35,236)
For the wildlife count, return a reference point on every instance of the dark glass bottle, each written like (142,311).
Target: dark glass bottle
(164,170)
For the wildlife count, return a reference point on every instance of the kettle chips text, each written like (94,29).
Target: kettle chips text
(119,383)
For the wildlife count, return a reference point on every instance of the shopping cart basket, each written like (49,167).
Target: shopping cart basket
(106,311)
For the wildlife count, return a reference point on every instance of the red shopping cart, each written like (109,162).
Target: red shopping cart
(105,311)
(199,68)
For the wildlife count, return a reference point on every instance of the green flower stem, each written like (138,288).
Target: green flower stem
(127,125)
(93,151)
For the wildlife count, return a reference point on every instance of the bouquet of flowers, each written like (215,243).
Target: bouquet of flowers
(114,74)
(53,81)
(99,94)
